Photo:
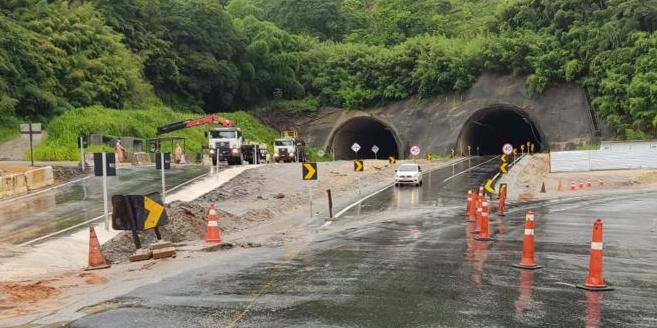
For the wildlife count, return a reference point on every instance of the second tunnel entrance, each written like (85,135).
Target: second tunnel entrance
(367,132)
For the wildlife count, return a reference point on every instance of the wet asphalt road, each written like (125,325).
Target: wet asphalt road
(34,216)
(406,258)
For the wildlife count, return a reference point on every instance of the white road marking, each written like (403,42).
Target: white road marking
(469,169)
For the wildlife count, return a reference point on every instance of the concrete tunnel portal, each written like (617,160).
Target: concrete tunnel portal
(367,132)
(491,128)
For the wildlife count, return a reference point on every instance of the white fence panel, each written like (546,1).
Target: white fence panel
(578,161)
(569,161)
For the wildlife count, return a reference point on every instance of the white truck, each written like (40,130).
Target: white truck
(289,148)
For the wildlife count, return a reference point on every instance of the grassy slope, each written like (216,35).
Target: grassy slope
(64,130)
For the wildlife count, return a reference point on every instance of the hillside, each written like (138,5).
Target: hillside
(207,55)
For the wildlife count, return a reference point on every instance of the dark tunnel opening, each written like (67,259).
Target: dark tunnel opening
(490,129)
(367,132)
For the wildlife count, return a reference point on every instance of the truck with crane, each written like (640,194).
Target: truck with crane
(225,141)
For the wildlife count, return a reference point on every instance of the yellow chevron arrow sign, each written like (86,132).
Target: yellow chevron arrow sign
(489,186)
(503,158)
(359,166)
(503,167)
(309,171)
(155,211)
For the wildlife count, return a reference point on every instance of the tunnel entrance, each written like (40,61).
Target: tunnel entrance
(489,129)
(367,132)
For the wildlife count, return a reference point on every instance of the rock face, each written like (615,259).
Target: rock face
(560,118)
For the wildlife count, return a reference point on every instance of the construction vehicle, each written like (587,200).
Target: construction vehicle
(225,140)
(289,148)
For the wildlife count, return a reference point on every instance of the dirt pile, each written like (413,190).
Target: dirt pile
(19,298)
(66,173)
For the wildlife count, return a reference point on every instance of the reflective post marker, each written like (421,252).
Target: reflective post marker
(82,152)
(310,198)
(164,191)
(105,211)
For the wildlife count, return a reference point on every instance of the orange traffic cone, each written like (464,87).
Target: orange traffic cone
(480,206)
(484,224)
(501,206)
(472,212)
(589,183)
(595,281)
(467,206)
(572,185)
(543,188)
(559,187)
(527,261)
(212,232)
(96,258)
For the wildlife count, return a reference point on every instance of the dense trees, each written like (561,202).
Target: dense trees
(215,55)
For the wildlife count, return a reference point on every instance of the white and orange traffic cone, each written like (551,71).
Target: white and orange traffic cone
(212,232)
(96,259)
(484,234)
(469,204)
(581,184)
(527,261)
(589,183)
(595,281)
(572,185)
(501,205)
(472,213)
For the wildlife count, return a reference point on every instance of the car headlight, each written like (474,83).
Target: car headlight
(235,150)
(212,151)
(292,154)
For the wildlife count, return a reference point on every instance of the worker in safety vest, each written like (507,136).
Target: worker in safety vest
(120,151)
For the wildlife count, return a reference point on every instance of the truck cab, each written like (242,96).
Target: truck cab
(225,144)
(285,150)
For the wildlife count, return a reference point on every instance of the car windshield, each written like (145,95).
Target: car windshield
(283,143)
(408,168)
(224,134)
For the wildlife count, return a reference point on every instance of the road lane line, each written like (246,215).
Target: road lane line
(344,210)
(469,169)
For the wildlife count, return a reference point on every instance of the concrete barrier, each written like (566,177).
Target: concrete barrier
(39,178)
(12,184)
(15,184)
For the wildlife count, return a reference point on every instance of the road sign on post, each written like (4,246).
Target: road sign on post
(138,213)
(375,150)
(105,165)
(507,149)
(355,147)
(163,160)
(82,144)
(309,173)
(415,150)
(359,166)
(31,129)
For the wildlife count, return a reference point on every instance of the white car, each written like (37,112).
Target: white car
(408,173)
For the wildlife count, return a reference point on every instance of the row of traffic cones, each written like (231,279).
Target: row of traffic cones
(477,210)
(573,186)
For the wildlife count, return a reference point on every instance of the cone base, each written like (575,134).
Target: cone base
(595,288)
(483,238)
(527,267)
(476,231)
(100,267)
(500,214)
(214,241)
(470,220)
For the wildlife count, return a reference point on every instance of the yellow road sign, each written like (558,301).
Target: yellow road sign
(489,186)
(155,211)
(522,148)
(309,171)
(429,156)
(515,151)
(392,160)
(503,167)
(503,158)
(359,166)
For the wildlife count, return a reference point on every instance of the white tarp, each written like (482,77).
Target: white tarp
(592,160)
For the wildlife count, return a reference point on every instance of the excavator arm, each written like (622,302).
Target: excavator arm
(208,119)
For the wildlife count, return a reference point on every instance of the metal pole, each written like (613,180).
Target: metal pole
(164,191)
(216,150)
(310,198)
(105,211)
(330,203)
(359,193)
(82,153)
(31,148)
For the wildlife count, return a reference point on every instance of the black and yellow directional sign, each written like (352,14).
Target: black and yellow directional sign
(489,186)
(392,160)
(531,148)
(522,148)
(141,212)
(503,164)
(429,156)
(453,152)
(309,171)
(359,166)
(515,151)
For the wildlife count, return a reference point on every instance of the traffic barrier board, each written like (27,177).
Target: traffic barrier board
(138,212)
(309,171)
(359,166)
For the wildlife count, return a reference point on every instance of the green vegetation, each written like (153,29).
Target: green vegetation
(142,123)
(297,55)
